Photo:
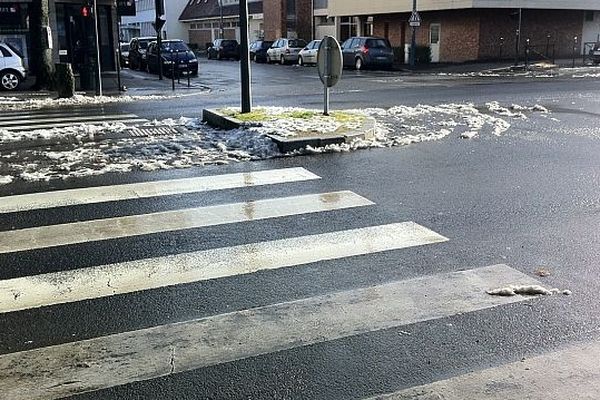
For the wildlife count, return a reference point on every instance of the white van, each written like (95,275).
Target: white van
(12,71)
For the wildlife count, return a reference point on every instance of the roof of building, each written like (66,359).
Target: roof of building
(200,9)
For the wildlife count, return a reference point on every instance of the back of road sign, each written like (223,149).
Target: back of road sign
(329,61)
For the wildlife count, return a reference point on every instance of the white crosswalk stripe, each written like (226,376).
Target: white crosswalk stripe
(169,221)
(62,287)
(571,373)
(47,119)
(101,194)
(130,356)
(109,360)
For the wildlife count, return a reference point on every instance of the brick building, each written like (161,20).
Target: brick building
(288,18)
(466,30)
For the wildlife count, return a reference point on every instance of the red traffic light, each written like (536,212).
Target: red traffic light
(86,11)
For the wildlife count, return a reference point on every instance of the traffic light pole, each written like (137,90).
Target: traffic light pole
(158,24)
(98,63)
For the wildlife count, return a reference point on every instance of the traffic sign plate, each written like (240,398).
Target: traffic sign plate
(415,19)
(329,61)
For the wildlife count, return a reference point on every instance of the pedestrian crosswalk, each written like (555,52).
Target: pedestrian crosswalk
(110,359)
(30,120)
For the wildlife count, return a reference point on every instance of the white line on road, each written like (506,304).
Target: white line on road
(67,369)
(73,123)
(89,283)
(571,373)
(34,120)
(103,194)
(168,221)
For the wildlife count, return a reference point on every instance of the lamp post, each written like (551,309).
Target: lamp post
(518,38)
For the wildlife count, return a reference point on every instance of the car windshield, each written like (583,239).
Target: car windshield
(228,43)
(265,45)
(297,43)
(377,43)
(144,44)
(174,46)
(124,47)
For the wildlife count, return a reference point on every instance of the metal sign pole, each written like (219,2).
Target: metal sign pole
(413,41)
(245,58)
(326,76)
(97,39)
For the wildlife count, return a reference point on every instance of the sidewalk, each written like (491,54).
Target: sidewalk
(147,85)
(482,67)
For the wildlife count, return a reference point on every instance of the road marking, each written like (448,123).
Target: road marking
(67,369)
(29,127)
(6,122)
(101,194)
(571,373)
(168,221)
(89,283)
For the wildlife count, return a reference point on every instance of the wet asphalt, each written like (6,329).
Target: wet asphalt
(529,199)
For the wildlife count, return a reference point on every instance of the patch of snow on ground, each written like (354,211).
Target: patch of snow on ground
(199,144)
(526,290)
(13,103)
(5,179)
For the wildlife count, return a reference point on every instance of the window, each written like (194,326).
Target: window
(5,53)
(589,16)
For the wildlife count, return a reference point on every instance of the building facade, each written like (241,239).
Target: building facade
(467,30)
(142,24)
(72,33)
(207,20)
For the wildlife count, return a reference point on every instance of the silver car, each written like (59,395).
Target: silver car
(308,55)
(12,71)
(285,51)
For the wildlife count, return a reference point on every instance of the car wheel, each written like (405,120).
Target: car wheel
(282,60)
(9,80)
(358,64)
(300,61)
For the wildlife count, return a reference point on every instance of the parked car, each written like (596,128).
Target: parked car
(224,49)
(258,50)
(137,52)
(174,54)
(12,71)
(365,52)
(285,50)
(595,53)
(124,54)
(308,55)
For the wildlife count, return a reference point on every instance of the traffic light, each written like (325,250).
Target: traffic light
(86,11)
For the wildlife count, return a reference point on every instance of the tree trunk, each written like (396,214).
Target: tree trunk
(41,57)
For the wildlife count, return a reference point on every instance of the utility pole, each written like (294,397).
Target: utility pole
(221,24)
(413,42)
(97,39)
(518,38)
(159,7)
(245,58)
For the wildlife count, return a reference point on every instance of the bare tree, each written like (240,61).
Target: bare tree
(41,57)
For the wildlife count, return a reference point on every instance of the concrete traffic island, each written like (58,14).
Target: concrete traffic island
(294,128)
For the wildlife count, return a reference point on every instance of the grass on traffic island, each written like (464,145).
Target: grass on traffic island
(294,122)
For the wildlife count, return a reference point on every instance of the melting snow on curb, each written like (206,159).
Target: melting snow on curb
(14,103)
(200,145)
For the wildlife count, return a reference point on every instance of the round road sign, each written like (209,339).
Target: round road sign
(329,61)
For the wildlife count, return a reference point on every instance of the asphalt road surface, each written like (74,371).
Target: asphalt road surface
(332,276)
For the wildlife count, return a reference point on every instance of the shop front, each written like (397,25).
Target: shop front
(76,40)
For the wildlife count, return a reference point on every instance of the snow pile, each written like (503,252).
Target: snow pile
(71,133)
(526,290)
(5,179)
(195,144)
(13,103)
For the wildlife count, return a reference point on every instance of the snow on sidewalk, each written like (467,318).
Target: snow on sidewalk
(199,144)
(16,104)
